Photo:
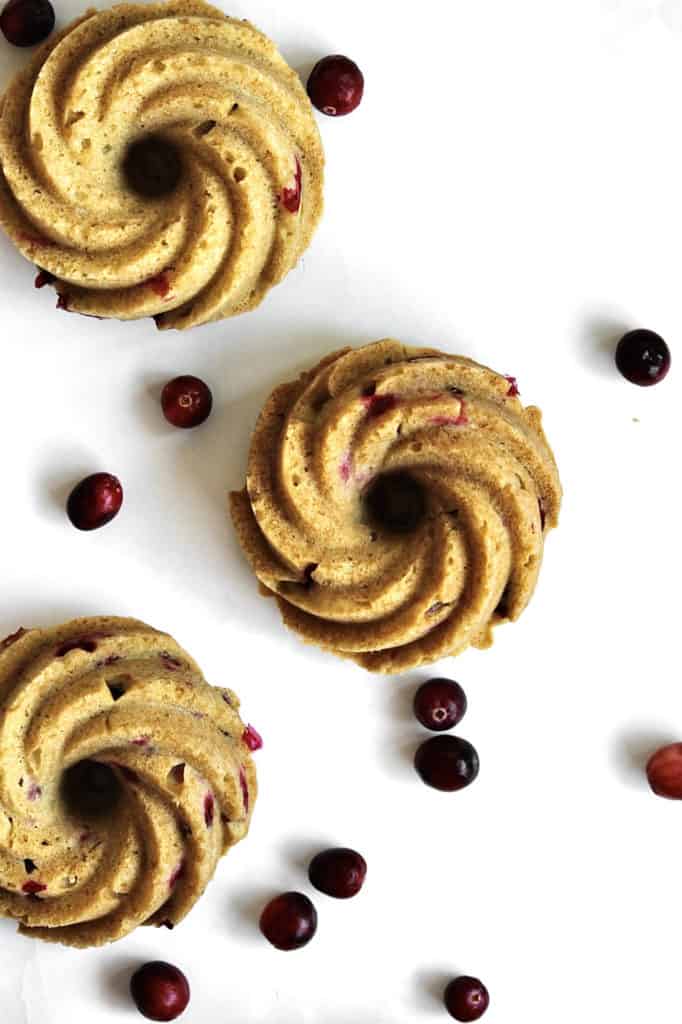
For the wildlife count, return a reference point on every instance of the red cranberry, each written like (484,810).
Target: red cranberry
(513,390)
(159,990)
(440,704)
(291,197)
(27,22)
(664,771)
(339,873)
(336,85)
(466,998)
(289,921)
(95,501)
(186,402)
(643,357)
(33,888)
(252,738)
(446,763)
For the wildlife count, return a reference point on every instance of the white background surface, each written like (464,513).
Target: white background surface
(510,189)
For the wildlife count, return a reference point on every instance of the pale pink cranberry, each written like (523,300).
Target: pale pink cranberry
(346,467)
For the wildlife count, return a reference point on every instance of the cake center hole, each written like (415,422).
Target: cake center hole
(90,789)
(396,503)
(152,167)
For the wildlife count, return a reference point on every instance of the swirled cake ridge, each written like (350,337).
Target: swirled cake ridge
(160,160)
(111,708)
(396,503)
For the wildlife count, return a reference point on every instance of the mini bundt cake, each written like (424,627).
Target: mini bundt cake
(396,504)
(124,778)
(160,160)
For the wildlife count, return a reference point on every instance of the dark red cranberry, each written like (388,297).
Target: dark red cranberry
(446,763)
(440,704)
(643,357)
(339,872)
(43,278)
(186,402)
(336,85)
(396,502)
(95,501)
(33,888)
(466,998)
(27,22)
(291,197)
(289,921)
(513,390)
(664,771)
(159,990)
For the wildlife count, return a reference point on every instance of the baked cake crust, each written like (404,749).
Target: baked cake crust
(491,490)
(250,192)
(117,692)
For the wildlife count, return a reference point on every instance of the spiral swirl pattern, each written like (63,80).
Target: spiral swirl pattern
(486,475)
(218,91)
(116,692)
